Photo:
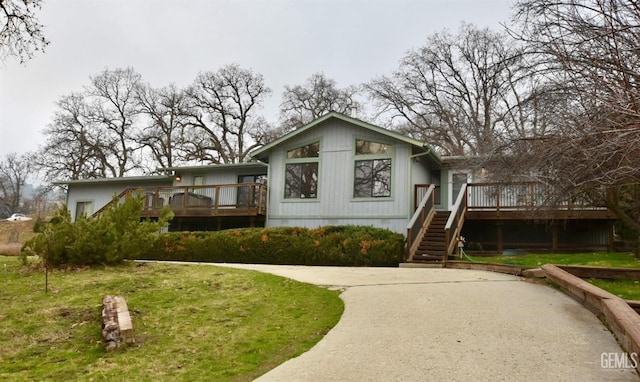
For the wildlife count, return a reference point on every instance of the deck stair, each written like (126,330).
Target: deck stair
(432,247)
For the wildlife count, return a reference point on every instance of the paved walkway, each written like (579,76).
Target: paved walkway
(421,324)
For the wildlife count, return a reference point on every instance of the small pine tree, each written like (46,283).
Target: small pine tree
(115,235)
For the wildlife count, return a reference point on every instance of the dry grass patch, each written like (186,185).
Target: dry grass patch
(13,234)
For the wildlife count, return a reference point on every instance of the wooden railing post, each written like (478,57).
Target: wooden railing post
(216,199)
(455,222)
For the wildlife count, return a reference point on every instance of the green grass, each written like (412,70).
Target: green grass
(191,322)
(626,289)
(598,259)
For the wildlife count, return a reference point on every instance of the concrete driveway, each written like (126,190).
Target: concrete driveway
(425,324)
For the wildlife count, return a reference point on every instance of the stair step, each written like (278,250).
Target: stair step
(429,253)
(432,247)
(433,240)
(432,243)
(427,257)
(439,244)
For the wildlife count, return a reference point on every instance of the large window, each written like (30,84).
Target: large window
(372,172)
(247,195)
(301,172)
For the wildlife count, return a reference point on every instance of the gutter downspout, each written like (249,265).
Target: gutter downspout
(268,206)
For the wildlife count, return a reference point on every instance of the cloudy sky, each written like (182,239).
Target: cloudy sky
(170,41)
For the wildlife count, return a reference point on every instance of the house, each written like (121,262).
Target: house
(339,170)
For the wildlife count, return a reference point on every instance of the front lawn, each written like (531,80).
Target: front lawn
(191,322)
(626,289)
(596,259)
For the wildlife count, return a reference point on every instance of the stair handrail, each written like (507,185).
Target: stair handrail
(124,193)
(419,222)
(455,222)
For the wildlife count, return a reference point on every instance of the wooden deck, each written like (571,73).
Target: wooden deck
(496,216)
(232,200)
(521,201)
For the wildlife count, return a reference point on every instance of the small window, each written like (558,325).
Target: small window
(309,151)
(372,148)
(198,180)
(457,180)
(84,209)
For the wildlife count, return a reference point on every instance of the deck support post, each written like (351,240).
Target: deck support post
(500,226)
(554,236)
(611,245)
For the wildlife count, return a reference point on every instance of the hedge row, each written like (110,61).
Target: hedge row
(332,245)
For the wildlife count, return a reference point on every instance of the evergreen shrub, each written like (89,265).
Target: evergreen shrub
(331,245)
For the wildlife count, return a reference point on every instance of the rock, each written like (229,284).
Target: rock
(533,273)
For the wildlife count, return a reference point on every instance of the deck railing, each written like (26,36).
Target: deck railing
(455,222)
(242,199)
(520,196)
(513,196)
(420,190)
(420,221)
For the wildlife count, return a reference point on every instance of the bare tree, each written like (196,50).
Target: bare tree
(319,95)
(93,133)
(164,111)
(20,32)
(590,49)
(14,171)
(463,94)
(74,147)
(112,110)
(223,126)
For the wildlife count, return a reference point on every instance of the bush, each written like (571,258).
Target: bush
(108,239)
(333,245)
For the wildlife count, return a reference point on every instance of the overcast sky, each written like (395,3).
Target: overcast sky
(171,41)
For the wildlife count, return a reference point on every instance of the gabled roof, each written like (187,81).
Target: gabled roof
(260,152)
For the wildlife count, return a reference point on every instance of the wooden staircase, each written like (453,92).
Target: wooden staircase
(432,247)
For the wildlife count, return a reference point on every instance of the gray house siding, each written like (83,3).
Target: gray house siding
(217,175)
(96,194)
(335,203)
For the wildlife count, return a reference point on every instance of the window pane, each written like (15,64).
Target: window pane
(308,151)
(362,182)
(458,180)
(198,180)
(369,147)
(301,181)
(84,209)
(372,178)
